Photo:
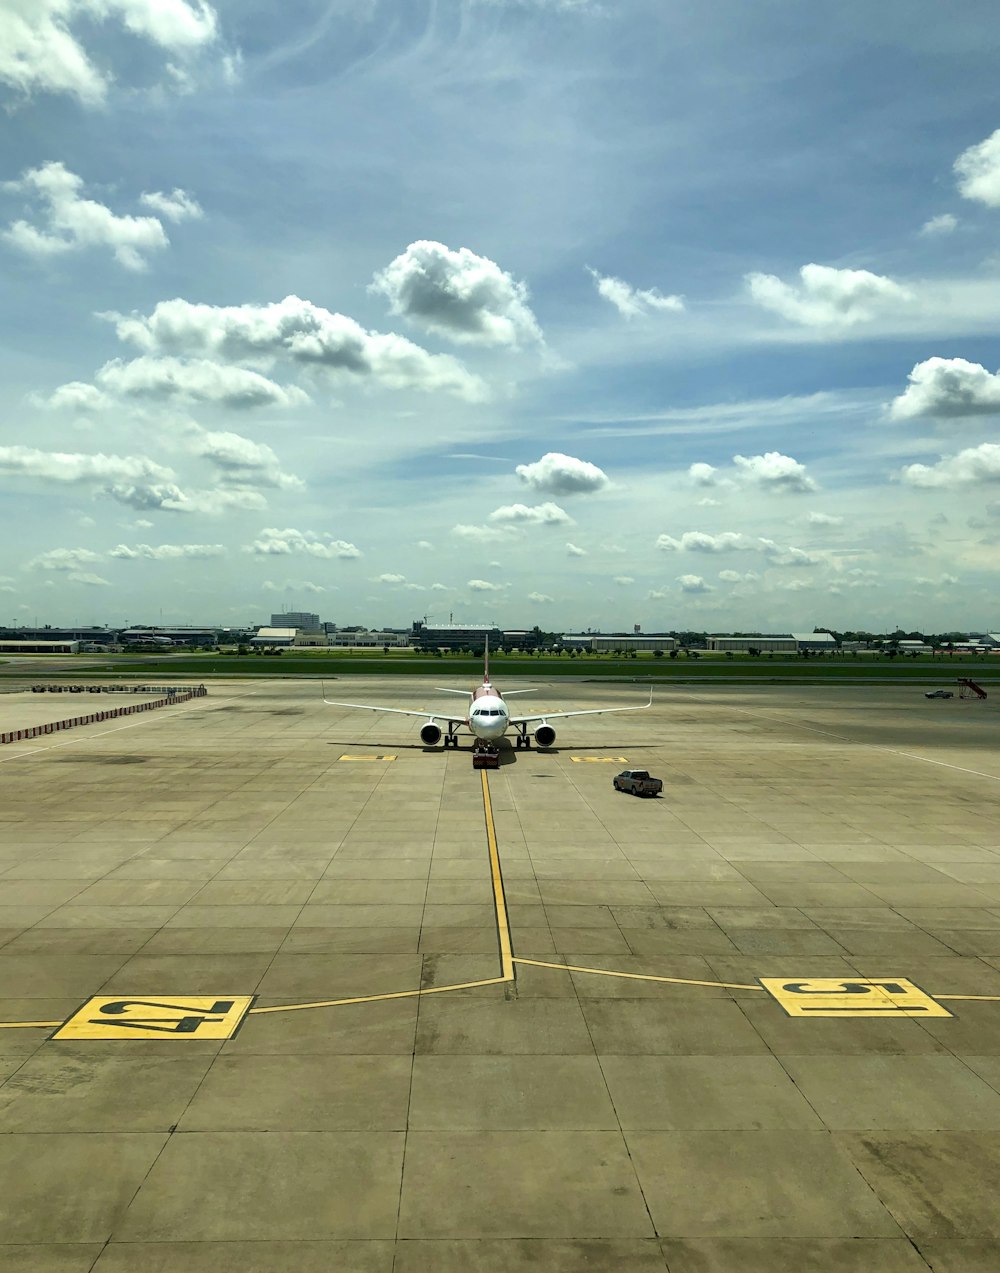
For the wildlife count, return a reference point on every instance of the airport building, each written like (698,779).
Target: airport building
(455,636)
(369,640)
(767,643)
(300,619)
(39,647)
(274,638)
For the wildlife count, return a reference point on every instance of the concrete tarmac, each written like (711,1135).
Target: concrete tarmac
(323,998)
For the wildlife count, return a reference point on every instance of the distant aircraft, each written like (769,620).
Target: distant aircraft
(488,717)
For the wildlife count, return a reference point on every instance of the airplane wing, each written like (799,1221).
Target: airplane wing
(587,711)
(399,711)
(441,690)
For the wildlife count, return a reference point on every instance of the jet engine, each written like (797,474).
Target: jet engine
(545,735)
(430,734)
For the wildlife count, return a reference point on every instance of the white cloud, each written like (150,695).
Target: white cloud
(63,559)
(704,475)
(89,579)
(40,52)
(693,583)
(176,206)
(978,171)
(483,534)
(623,580)
(74,396)
(302,586)
(194,380)
(243,462)
(787,556)
(484,585)
(70,222)
(547,514)
(976,465)
(560,474)
(390,578)
(774,472)
(697,541)
(460,295)
(824,519)
(936,226)
(58,466)
(168,498)
(440,587)
(632,302)
(573,550)
(276,543)
(828,296)
(167,552)
(949,388)
(657,594)
(540,598)
(425,544)
(301,332)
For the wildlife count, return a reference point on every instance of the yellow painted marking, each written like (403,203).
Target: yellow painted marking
(367,757)
(599,760)
(970,998)
(852,997)
(637,976)
(395,994)
(499,900)
(28,1025)
(167,1017)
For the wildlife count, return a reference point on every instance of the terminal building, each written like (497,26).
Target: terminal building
(455,636)
(618,642)
(773,642)
(300,619)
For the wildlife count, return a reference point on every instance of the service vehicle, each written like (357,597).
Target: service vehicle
(638,782)
(939,694)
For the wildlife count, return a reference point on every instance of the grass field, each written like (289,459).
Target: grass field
(461,668)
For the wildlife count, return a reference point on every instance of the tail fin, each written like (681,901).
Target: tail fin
(486,661)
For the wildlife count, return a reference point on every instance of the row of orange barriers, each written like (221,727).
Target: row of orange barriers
(36,731)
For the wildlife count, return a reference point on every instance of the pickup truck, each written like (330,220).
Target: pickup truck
(638,782)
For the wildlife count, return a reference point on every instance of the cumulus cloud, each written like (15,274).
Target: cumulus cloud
(89,579)
(975,466)
(948,388)
(58,466)
(73,396)
(166,497)
(243,462)
(573,550)
(176,206)
(937,226)
(483,534)
(787,556)
(484,585)
(978,171)
(465,297)
(302,586)
(305,334)
(547,514)
(693,583)
(63,559)
(697,541)
(704,475)
(539,598)
(734,576)
(824,519)
(633,302)
(559,474)
(41,52)
(623,580)
(194,380)
(68,222)
(774,472)
(827,296)
(167,552)
(279,543)
(389,578)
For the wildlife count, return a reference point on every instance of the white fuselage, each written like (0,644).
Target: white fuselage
(488,714)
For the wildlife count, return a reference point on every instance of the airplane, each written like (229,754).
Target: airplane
(488,717)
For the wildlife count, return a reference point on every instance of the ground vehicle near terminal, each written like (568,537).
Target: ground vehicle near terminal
(939,694)
(488,717)
(637,782)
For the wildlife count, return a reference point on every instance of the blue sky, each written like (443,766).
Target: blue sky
(598,313)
